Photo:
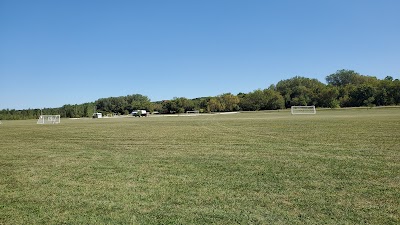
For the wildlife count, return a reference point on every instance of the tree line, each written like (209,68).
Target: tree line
(344,88)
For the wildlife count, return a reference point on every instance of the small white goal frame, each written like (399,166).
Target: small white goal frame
(49,119)
(193,112)
(303,110)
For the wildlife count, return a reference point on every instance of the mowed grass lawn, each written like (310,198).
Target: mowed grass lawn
(335,167)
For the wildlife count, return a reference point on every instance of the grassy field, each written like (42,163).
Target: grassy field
(336,167)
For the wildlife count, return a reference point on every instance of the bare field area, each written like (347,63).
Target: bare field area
(270,167)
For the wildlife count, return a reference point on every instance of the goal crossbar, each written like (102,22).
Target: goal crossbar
(193,112)
(303,110)
(49,119)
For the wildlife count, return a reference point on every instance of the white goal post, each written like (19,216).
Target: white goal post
(49,119)
(193,112)
(296,110)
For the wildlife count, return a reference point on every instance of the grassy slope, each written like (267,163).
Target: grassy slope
(336,167)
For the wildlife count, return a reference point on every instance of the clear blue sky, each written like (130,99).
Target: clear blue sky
(75,51)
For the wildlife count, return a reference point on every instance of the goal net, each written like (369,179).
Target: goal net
(49,119)
(303,110)
(193,112)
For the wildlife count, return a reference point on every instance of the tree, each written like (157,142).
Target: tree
(230,102)
(300,91)
(266,99)
(273,100)
(389,78)
(123,104)
(215,105)
(345,88)
(177,105)
(346,77)
(363,95)
(388,92)
(342,77)
(138,101)
(395,91)
(253,101)
(328,97)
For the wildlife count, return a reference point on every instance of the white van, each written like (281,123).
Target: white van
(139,113)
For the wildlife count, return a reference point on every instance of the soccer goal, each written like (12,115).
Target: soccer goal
(49,119)
(295,110)
(195,112)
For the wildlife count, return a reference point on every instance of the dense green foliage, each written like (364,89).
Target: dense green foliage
(269,167)
(345,88)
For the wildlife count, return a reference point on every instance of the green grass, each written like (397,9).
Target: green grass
(336,167)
